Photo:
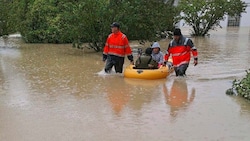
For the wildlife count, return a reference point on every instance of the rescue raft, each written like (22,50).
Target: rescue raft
(160,73)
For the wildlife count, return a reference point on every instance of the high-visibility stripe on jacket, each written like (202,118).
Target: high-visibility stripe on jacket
(117,44)
(181,51)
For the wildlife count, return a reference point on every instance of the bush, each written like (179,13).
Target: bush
(242,87)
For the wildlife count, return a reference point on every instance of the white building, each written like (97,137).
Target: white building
(243,21)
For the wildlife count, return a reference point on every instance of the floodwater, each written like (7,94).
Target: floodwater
(56,93)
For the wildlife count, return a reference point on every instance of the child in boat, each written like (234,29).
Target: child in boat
(157,55)
(145,61)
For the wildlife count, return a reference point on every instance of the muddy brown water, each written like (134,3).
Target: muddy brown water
(54,92)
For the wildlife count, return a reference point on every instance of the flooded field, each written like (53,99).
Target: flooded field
(54,92)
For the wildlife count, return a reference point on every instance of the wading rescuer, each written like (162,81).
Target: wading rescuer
(116,48)
(181,48)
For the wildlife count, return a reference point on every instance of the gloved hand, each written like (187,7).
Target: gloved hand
(104,57)
(164,63)
(195,61)
(131,58)
(132,62)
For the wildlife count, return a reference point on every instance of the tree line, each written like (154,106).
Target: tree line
(81,21)
(88,21)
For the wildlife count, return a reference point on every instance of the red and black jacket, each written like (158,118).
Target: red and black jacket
(117,44)
(181,51)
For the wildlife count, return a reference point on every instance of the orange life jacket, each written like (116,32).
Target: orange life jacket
(117,44)
(181,53)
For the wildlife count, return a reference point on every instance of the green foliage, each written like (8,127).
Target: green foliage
(204,15)
(91,28)
(78,22)
(5,27)
(139,19)
(18,12)
(242,87)
(145,18)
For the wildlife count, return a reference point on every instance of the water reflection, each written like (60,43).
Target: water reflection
(132,94)
(11,80)
(143,92)
(10,42)
(144,83)
(118,94)
(55,86)
(178,98)
(244,105)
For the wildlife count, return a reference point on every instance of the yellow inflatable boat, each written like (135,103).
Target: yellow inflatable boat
(160,73)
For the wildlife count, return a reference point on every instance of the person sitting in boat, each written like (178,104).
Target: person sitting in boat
(145,61)
(157,55)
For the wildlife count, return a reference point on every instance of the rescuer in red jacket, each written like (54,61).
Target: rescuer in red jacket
(116,48)
(181,48)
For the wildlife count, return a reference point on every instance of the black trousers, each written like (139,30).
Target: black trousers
(116,61)
(181,70)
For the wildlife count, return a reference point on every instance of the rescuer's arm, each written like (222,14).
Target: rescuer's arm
(128,50)
(166,56)
(194,51)
(105,50)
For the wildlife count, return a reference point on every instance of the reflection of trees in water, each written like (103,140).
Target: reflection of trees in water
(51,70)
(1,74)
(9,42)
(230,43)
(207,48)
(233,30)
(178,98)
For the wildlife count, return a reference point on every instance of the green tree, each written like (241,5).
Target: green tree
(204,15)
(88,21)
(140,20)
(146,18)
(84,22)
(5,27)
(41,22)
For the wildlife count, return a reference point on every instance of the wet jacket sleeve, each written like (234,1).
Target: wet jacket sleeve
(131,58)
(128,50)
(193,49)
(104,57)
(167,54)
(106,49)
